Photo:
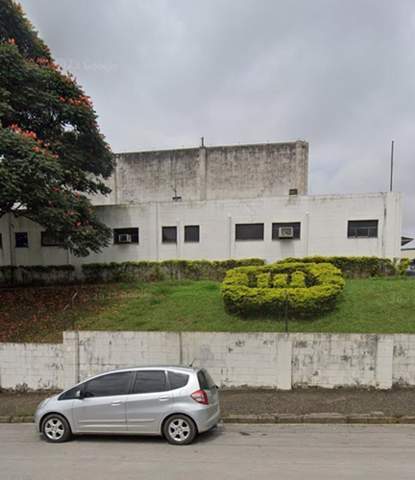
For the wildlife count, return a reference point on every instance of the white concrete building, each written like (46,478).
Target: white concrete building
(218,203)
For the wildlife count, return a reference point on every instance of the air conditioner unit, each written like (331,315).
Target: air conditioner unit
(285,232)
(124,238)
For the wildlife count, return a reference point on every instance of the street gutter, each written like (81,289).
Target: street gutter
(317,418)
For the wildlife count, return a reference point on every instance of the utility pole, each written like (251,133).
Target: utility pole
(391,175)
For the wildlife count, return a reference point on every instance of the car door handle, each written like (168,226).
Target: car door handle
(116,404)
(164,399)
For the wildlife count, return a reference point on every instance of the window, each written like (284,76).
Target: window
(51,239)
(71,394)
(169,234)
(278,234)
(205,380)
(362,229)
(125,235)
(22,240)
(149,381)
(108,385)
(191,233)
(177,380)
(249,231)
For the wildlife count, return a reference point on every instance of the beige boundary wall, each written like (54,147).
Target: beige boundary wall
(272,360)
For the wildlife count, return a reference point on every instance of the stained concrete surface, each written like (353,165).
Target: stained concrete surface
(231,452)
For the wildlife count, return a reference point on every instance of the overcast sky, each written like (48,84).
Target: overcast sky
(339,74)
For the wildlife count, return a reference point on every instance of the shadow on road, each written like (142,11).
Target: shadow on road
(205,437)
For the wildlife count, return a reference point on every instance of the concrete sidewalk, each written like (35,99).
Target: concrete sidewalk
(271,406)
(287,452)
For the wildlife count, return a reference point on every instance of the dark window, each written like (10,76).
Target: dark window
(191,233)
(150,381)
(169,234)
(125,235)
(205,380)
(177,380)
(249,231)
(22,240)
(51,239)
(293,191)
(362,228)
(282,230)
(71,394)
(108,385)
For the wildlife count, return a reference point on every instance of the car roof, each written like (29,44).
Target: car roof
(179,368)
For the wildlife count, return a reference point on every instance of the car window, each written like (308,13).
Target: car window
(177,380)
(70,394)
(205,380)
(149,381)
(108,385)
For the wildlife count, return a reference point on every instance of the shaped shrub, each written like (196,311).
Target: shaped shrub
(305,289)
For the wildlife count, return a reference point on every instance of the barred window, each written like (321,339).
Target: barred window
(249,231)
(191,233)
(362,228)
(169,234)
(22,240)
(51,239)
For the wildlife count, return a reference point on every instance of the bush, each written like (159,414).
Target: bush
(403,265)
(304,289)
(37,275)
(354,267)
(165,270)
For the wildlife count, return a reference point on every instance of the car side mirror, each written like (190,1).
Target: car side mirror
(80,394)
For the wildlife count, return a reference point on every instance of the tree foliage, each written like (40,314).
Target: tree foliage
(52,154)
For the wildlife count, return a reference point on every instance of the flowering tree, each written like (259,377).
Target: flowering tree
(52,155)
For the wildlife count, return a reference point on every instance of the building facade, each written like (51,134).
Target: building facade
(218,203)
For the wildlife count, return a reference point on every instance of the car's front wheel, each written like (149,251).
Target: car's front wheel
(56,429)
(179,430)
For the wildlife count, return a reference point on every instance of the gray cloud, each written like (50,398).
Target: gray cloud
(163,73)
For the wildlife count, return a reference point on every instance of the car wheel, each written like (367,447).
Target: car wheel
(179,430)
(56,429)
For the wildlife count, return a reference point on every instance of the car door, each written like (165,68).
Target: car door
(148,402)
(102,406)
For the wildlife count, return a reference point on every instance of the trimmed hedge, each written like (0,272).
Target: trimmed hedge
(37,275)
(353,267)
(165,270)
(304,289)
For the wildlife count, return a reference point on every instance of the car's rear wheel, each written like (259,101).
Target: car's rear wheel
(56,429)
(179,430)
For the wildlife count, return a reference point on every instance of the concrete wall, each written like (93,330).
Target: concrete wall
(209,173)
(272,360)
(31,365)
(323,229)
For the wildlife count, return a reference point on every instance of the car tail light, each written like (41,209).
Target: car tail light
(200,396)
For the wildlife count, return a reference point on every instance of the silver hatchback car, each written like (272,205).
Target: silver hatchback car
(175,402)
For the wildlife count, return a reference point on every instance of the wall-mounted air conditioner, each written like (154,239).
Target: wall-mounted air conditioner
(124,238)
(285,232)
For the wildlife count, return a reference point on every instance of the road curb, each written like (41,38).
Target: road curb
(283,418)
(320,418)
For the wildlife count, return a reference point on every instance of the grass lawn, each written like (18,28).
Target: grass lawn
(377,305)
(381,305)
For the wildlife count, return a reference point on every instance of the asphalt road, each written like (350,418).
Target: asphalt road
(256,452)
